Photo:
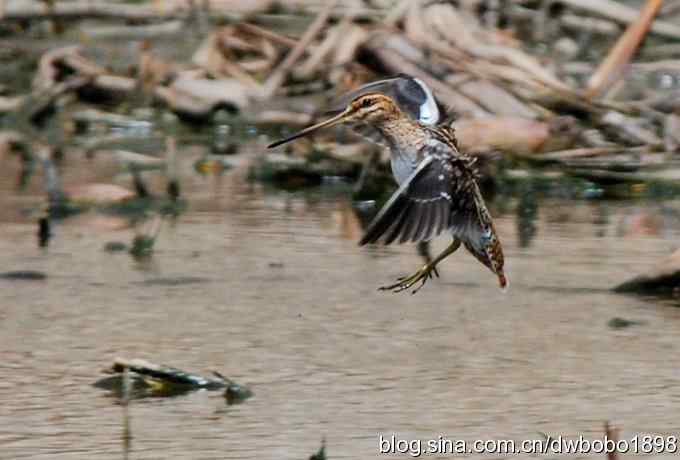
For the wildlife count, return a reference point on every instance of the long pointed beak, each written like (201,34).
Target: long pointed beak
(339,118)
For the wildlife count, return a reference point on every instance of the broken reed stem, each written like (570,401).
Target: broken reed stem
(171,167)
(611,69)
(125,402)
(279,75)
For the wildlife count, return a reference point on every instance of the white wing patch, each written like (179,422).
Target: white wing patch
(429,112)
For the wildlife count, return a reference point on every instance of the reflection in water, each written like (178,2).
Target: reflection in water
(280,298)
(527,212)
(601,219)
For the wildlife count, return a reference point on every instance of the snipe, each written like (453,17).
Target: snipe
(438,188)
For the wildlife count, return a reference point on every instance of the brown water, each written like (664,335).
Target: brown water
(271,289)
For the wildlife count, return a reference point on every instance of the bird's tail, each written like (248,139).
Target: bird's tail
(502,281)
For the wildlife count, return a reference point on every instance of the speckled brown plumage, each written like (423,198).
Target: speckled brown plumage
(437,192)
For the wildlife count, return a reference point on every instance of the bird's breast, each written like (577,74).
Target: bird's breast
(402,164)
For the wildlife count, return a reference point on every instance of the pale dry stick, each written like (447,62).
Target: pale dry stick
(268,50)
(499,85)
(452,28)
(513,75)
(497,74)
(414,25)
(277,78)
(611,69)
(495,98)
(538,89)
(345,53)
(268,34)
(335,39)
(255,65)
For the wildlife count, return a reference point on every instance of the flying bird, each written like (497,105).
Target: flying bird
(438,190)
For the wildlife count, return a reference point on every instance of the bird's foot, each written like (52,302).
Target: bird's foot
(422,275)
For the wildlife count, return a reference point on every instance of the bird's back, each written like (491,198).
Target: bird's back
(471,222)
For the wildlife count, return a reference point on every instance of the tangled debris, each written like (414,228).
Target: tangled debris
(558,83)
(153,380)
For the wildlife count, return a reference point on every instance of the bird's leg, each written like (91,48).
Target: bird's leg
(423,273)
(424,252)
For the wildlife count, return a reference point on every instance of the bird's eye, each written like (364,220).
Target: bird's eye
(366,103)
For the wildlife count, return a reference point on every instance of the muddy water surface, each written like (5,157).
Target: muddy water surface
(270,288)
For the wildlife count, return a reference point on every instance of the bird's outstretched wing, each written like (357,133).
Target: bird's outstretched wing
(440,194)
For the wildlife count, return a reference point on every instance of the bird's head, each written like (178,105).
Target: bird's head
(372,108)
